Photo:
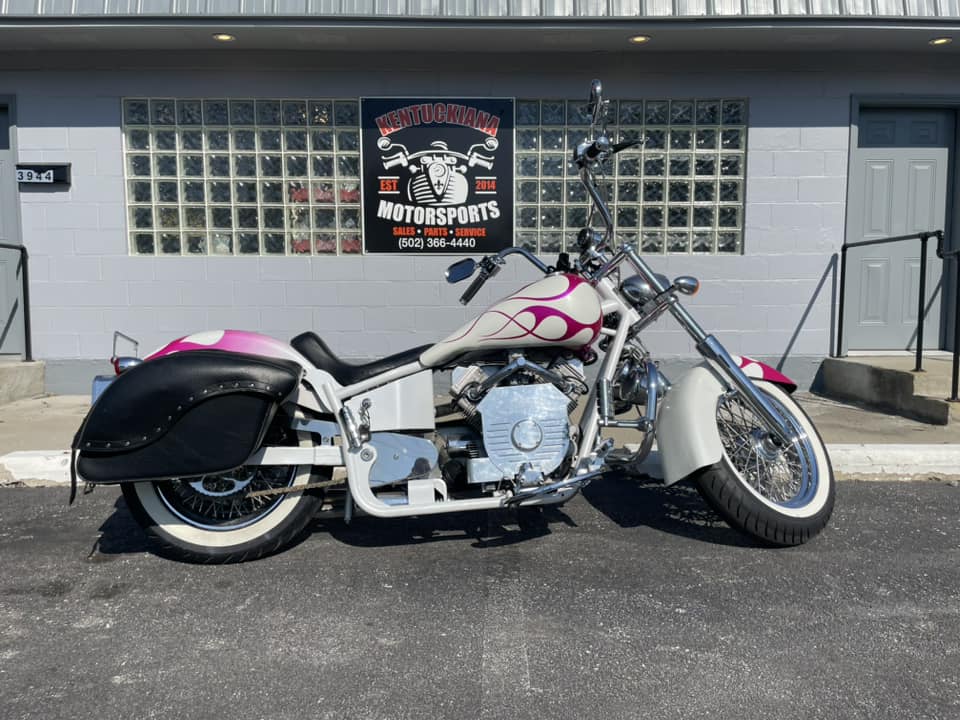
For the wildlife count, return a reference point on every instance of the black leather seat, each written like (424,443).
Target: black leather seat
(316,351)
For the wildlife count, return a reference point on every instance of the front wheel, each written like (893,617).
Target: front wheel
(783,496)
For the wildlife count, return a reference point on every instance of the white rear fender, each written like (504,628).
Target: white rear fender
(687,436)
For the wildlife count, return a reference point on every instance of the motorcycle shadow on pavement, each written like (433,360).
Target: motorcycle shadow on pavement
(640,500)
(484,529)
(119,534)
(627,501)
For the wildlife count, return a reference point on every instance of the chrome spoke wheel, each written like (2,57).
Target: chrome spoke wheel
(221,502)
(784,476)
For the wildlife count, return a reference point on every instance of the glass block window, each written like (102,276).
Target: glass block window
(242,176)
(281,176)
(682,192)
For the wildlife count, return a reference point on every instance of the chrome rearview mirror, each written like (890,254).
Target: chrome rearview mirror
(460,270)
(686,285)
(595,104)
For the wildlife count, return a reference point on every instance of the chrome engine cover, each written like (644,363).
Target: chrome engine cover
(525,428)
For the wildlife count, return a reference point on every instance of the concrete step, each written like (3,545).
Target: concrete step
(889,384)
(19,380)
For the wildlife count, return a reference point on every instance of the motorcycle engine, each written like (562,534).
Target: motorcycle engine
(524,422)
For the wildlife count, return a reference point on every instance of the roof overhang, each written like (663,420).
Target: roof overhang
(479,35)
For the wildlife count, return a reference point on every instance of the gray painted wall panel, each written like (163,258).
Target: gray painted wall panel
(357,7)
(56,7)
(691,7)
(119,7)
(727,7)
(760,7)
(223,7)
(890,8)
(89,7)
(426,8)
(493,8)
(950,8)
(824,7)
(625,8)
(524,8)
(290,7)
(22,7)
(791,7)
(590,8)
(323,7)
(156,7)
(557,8)
(658,8)
(391,7)
(921,8)
(857,7)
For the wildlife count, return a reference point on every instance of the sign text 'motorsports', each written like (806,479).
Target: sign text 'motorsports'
(437,175)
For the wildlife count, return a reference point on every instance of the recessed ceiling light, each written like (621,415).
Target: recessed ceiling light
(224,37)
(639,39)
(941,41)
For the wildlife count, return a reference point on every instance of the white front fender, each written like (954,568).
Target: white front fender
(687,436)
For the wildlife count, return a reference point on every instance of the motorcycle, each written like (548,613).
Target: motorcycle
(226,444)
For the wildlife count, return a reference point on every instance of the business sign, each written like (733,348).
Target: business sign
(437,175)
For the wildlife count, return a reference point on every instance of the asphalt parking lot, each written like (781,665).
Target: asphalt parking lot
(630,602)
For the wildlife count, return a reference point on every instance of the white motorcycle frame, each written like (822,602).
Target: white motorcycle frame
(684,423)
(403,398)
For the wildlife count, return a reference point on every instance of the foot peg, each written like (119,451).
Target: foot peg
(570,483)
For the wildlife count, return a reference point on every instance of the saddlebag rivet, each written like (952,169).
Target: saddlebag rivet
(108,444)
(190,399)
(127,444)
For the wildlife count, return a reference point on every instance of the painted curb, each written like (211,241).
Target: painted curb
(35,467)
(38,468)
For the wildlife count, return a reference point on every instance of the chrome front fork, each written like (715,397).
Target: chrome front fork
(713,350)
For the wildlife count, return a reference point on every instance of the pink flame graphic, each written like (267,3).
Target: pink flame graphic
(540,313)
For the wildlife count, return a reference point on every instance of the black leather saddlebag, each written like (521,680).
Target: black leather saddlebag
(190,413)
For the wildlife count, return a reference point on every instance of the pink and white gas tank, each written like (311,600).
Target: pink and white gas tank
(560,311)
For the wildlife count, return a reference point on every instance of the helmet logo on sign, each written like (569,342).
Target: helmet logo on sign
(438,175)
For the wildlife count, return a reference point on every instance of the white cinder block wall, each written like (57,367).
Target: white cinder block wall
(774,301)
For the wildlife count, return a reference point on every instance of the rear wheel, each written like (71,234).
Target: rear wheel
(781,495)
(213,519)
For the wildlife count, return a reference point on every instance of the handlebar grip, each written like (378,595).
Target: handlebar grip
(624,145)
(474,288)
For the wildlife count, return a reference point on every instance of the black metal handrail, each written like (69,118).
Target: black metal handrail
(923,237)
(955,256)
(25,279)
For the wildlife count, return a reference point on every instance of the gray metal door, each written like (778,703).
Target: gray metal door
(898,185)
(11,302)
